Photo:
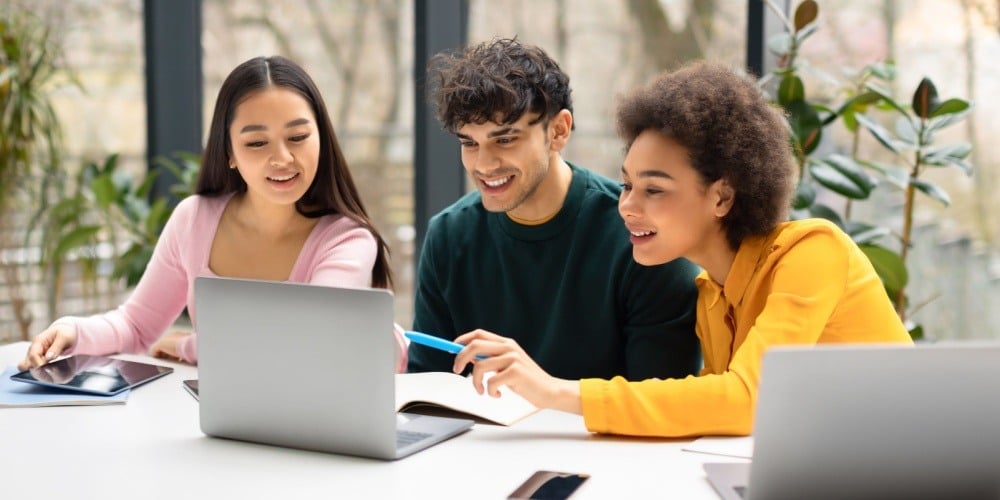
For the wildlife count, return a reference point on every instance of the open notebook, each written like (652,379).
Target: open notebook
(419,392)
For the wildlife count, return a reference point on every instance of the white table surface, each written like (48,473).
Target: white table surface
(152,447)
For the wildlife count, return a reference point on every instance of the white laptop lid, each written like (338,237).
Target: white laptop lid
(298,365)
(877,422)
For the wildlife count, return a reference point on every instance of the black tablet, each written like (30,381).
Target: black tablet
(92,374)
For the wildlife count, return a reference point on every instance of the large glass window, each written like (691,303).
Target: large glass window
(360,52)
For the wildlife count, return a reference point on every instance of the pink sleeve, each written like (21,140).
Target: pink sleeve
(155,303)
(345,258)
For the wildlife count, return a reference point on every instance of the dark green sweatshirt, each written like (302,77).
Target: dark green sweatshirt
(568,291)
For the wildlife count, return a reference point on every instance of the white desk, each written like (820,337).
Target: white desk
(152,447)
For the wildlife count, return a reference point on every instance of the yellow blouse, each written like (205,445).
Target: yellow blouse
(805,283)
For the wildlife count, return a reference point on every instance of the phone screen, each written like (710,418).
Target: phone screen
(549,485)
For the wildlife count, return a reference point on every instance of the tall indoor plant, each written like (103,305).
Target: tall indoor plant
(30,135)
(913,143)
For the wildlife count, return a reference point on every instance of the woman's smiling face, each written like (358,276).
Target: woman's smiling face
(665,204)
(275,145)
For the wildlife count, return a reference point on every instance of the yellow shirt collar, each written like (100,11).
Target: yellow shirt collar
(749,257)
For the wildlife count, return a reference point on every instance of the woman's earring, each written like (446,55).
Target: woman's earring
(232,166)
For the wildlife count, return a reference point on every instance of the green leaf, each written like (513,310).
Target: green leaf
(889,266)
(884,70)
(834,180)
(896,176)
(805,13)
(803,34)
(104,191)
(827,115)
(948,161)
(886,97)
(122,181)
(157,217)
(147,184)
(857,104)
(110,163)
(865,233)
(825,212)
(66,209)
(944,121)
(799,214)
(950,155)
(850,121)
(906,132)
(852,170)
(958,150)
(951,106)
(806,125)
(860,101)
(73,240)
(917,332)
(925,99)
(136,210)
(805,195)
(932,190)
(880,133)
(962,164)
(790,90)
(132,264)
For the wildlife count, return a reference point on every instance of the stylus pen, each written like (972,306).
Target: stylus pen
(437,343)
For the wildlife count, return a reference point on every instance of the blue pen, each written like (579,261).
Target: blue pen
(437,343)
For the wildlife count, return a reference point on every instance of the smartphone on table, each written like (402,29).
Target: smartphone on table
(549,485)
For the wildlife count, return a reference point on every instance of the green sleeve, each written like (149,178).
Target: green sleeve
(660,339)
(431,313)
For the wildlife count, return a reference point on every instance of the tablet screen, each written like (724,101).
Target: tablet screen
(92,374)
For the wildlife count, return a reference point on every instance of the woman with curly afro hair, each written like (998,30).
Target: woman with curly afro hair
(708,176)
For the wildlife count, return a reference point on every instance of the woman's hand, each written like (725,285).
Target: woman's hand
(515,369)
(166,346)
(48,345)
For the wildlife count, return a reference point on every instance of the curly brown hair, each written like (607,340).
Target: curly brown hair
(496,81)
(730,132)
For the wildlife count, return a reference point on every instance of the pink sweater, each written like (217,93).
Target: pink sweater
(338,252)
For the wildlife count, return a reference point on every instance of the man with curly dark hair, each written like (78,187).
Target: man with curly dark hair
(708,175)
(537,253)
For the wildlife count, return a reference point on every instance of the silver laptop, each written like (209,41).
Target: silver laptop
(307,367)
(873,422)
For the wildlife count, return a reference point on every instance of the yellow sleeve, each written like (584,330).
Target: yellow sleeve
(807,283)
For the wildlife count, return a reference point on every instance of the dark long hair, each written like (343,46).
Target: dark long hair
(332,191)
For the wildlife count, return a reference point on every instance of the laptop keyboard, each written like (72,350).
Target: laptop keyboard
(405,438)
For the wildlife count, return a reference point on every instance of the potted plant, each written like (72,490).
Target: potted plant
(30,136)
(912,143)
